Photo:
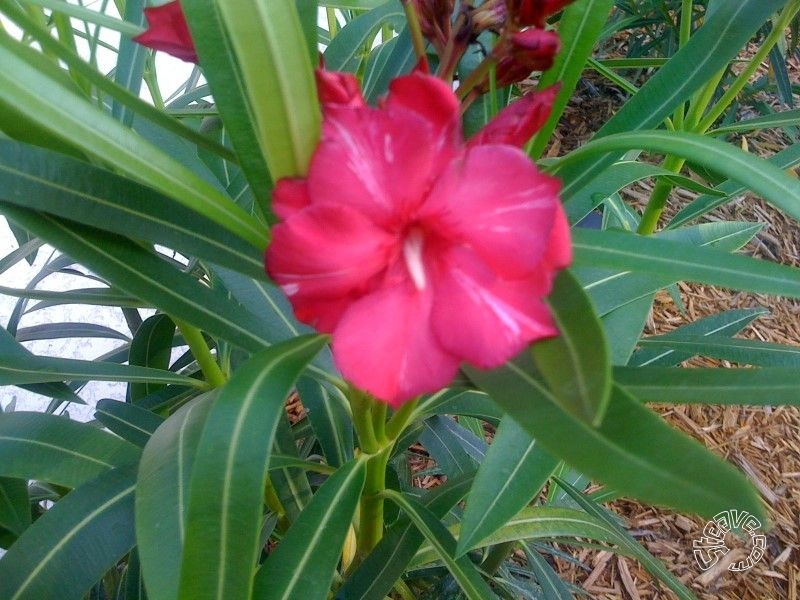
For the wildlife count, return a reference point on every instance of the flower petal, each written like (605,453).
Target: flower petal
(495,201)
(334,87)
(167,30)
(518,121)
(327,253)
(486,320)
(289,195)
(432,99)
(378,163)
(384,345)
(558,253)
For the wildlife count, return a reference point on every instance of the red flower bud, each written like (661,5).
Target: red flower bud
(517,122)
(534,12)
(523,52)
(334,88)
(167,31)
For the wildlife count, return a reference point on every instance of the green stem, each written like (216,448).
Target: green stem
(417,40)
(377,439)
(685,33)
(741,81)
(658,199)
(201,352)
(370,529)
(333,23)
(476,77)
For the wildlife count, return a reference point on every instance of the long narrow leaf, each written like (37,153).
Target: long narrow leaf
(682,262)
(757,387)
(227,485)
(633,450)
(162,496)
(304,563)
(39,179)
(57,450)
(94,522)
(759,175)
(65,115)
(462,569)
(513,473)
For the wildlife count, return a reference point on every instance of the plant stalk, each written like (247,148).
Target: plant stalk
(202,353)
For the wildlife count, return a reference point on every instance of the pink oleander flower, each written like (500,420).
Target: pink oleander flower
(415,250)
(167,31)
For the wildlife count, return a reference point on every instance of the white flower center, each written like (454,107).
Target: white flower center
(412,253)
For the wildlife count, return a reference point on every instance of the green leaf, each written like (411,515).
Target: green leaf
(330,420)
(304,563)
(633,450)
(552,585)
(151,347)
(290,483)
(771,121)
(759,175)
(352,4)
(386,62)
(709,50)
(346,50)
(277,80)
(579,28)
(455,450)
(93,522)
(39,179)
(747,352)
(162,496)
(785,159)
(15,506)
(535,522)
(579,378)
(143,274)
(11,348)
(461,402)
(40,369)
(462,569)
(57,450)
(128,421)
(46,103)
(624,326)
(512,474)
(624,173)
(610,289)
(227,485)
(757,387)
(54,331)
(375,576)
(676,262)
(729,322)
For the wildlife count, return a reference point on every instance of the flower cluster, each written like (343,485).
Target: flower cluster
(523,45)
(415,250)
